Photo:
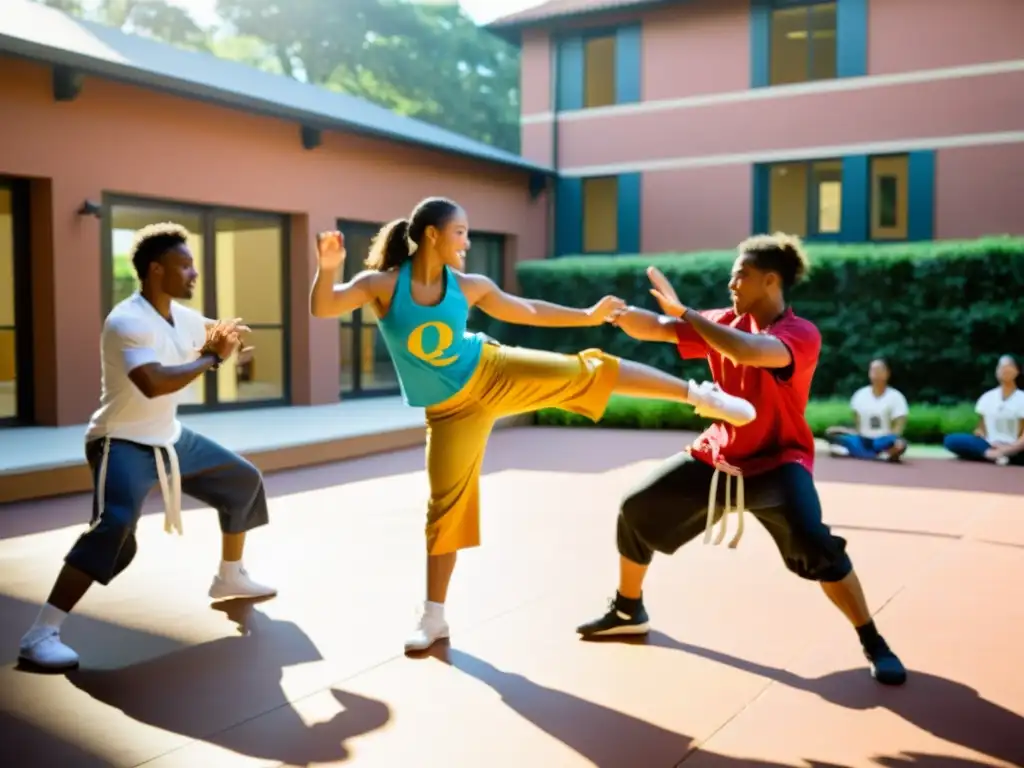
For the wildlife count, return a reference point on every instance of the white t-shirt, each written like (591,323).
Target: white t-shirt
(135,334)
(1002,416)
(876,414)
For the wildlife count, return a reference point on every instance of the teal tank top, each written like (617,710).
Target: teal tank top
(433,353)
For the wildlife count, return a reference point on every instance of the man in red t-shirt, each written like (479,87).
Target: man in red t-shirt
(760,351)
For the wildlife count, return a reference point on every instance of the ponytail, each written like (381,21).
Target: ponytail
(391,247)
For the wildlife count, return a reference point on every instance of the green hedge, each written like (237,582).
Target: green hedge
(942,312)
(926,423)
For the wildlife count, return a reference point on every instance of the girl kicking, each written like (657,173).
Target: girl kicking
(465,381)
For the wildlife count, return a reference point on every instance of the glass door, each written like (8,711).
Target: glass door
(125,221)
(248,254)
(366,367)
(15,309)
(240,257)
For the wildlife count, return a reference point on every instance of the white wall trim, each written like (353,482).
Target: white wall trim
(784,91)
(799,153)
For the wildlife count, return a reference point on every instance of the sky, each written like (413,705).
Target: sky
(480,10)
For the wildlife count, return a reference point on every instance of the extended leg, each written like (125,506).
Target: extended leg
(811,551)
(123,474)
(639,380)
(583,383)
(662,514)
(233,487)
(456,442)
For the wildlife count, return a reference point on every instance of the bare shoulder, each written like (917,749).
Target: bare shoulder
(380,284)
(474,286)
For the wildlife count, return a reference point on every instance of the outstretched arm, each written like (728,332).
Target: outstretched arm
(329,300)
(753,349)
(644,325)
(483,293)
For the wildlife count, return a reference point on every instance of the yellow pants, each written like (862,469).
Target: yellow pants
(508,381)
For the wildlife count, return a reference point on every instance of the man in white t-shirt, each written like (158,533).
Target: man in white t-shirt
(880,414)
(152,348)
(999,436)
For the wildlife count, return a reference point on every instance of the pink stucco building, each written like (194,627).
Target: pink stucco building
(103,133)
(689,124)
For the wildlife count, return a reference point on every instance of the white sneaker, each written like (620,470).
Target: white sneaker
(710,401)
(43,648)
(238,585)
(430,628)
(839,451)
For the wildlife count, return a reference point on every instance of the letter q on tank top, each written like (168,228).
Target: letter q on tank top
(433,351)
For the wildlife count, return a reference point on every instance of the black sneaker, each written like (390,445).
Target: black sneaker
(617,622)
(886,667)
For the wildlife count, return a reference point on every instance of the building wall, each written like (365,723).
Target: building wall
(119,139)
(927,81)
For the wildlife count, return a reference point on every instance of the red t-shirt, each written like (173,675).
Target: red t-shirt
(780,433)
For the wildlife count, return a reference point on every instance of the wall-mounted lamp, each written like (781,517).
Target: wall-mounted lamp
(538,184)
(89,208)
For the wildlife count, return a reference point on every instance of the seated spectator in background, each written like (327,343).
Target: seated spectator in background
(880,413)
(999,436)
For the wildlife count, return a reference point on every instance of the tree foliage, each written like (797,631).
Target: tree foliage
(428,61)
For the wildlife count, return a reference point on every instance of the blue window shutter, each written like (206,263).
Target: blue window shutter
(856,199)
(628,64)
(760,42)
(568,217)
(921,194)
(570,74)
(761,194)
(852,38)
(629,216)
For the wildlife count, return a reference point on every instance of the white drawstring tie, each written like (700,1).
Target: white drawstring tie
(170,488)
(739,508)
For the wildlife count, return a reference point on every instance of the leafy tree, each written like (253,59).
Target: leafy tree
(428,61)
(151,18)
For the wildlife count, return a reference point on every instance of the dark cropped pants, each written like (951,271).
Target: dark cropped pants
(670,508)
(209,472)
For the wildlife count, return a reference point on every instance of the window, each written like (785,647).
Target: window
(889,204)
(486,256)
(806,199)
(803,43)
(249,259)
(598,68)
(8,299)
(601,215)
(366,367)
(240,257)
(599,72)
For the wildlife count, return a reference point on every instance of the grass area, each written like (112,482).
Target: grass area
(926,425)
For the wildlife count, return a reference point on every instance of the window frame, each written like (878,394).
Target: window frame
(811,198)
(353,325)
(806,6)
(583,215)
(21,276)
(905,157)
(208,215)
(597,34)
(569,65)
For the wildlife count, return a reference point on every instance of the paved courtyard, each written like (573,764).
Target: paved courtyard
(747,666)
